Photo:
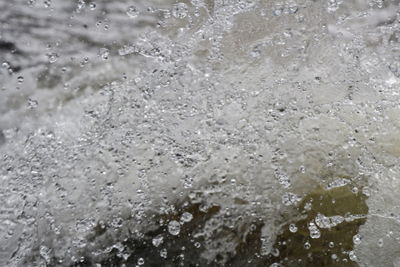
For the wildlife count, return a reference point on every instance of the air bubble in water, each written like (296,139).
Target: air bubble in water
(352,256)
(132,12)
(47,3)
(180,10)
(174,227)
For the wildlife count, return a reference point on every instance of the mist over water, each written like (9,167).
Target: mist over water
(199,133)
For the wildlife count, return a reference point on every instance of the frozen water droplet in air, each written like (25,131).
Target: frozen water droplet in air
(314,231)
(180,10)
(293,228)
(81,5)
(357,239)
(275,252)
(52,57)
(132,12)
(352,256)
(278,10)
(104,53)
(140,261)
(174,227)
(158,240)
(20,79)
(47,3)
(186,217)
(163,253)
(92,5)
(32,103)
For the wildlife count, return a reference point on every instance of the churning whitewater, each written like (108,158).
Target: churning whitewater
(199,133)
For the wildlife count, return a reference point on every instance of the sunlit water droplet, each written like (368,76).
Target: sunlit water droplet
(292,228)
(104,53)
(52,57)
(357,239)
(174,227)
(158,240)
(132,11)
(186,217)
(140,261)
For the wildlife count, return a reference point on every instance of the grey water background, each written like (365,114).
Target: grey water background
(111,109)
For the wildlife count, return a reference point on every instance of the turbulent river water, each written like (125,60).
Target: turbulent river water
(200,133)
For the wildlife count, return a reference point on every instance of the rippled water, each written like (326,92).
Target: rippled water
(199,133)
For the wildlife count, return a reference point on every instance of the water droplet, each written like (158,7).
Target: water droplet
(47,3)
(357,239)
(31,2)
(104,53)
(20,79)
(52,57)
(186,217)
(132,12)
(180,10)
(352,256)
(174,227)
(307,245)
(293,228)
(92,5)
(81,5)
(140,261)
(380,242)
(314,231)
(163,253)
(158,240)
(32,104)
